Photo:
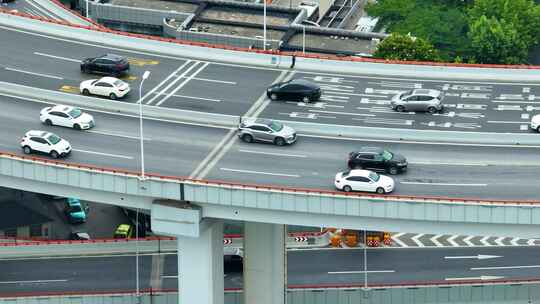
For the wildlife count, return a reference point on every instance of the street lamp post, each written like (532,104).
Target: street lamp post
(365,261)
(144,77)
(264,25)
(87,9)
(304,39)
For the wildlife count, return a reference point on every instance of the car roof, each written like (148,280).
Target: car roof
(428,92)
(61,108)
(370,150)
(304,83)
(360,172)
(37,133)
(112,57)
(256,121)
(108,79)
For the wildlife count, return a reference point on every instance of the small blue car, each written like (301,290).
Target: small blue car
(75,211)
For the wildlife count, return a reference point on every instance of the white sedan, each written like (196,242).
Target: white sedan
(535,122)
(45,142)
(364,180)
(66,116)
(107,86)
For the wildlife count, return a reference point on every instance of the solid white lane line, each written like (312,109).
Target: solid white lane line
(169,277)
(109,254)
(341,113)
(33,281)
(214,80)
(190,97)
(447,164)
(33,73)
(58,57)
(271,153)
(444,184)
(118,135)
(181,85)
(259,172)
(506,267)
(361,271)
(104,154)
(507,122)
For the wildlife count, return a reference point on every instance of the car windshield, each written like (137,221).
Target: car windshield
(345,174)
(387,155)
(118,83)
(75,112)
(94,82)
(405,94)
(76,208)
(53,139)
(374,176)
(275,126)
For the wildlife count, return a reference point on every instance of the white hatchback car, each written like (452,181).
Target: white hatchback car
(535,122)
(107,86)
(45,142)
(66,116)
(364,180)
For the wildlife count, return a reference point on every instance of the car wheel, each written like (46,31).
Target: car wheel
(347,188)
(54,154)
(76,126)
(112,96)
(279,141)
(48,122)
(538,129)
(431,110)
(83,69)
(247,138)
(86,92)
(393,170)
(380,190)
(306,99)
(273,96)
(27,150)
(400,108)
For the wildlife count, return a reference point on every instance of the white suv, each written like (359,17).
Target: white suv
(106,86)
(364,180)
(45,142)
(535,122)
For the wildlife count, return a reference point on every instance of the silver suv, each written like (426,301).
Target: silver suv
(418,100)
(265,130)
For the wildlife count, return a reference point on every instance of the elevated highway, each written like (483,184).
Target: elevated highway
(484,101)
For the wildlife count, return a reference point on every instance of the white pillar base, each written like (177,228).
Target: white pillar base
(200,266)
(265,263)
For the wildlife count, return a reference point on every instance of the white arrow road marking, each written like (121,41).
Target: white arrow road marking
(361,271)
(32,282)
(468,239)
(485,242)
(477,257)
(482,278)
(451,240)
(396,239)
(103,154)
(499,240)
(514,241)
(417,241)
(435,240)
(506,267)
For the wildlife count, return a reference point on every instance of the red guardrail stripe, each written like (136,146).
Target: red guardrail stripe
(297,54)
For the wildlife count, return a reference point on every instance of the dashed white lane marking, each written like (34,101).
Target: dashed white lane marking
(444,184)
(117,135)
(57,57)
(104,154)
(447,163)
(505,267)
(506,122)
(271,153)
(33,282)
(169,277)
(525,116)
(361,271)
(190,97)
(33,73)
(259,172)
(342,113)
(214,80)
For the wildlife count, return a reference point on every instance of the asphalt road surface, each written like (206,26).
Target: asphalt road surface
(305,268)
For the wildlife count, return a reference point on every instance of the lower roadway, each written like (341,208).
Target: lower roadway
(472,171)
(305,268)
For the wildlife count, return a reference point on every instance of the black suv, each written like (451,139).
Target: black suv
(108,64)
(377,159)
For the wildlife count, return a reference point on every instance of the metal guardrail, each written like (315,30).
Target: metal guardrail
(230,121)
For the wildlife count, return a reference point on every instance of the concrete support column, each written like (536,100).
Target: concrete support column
(200,266)
(265,264)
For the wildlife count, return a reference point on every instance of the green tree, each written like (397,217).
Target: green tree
(405,47)
(493,41)
(390,11)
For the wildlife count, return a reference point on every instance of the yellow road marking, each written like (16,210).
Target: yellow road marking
(69,89)
(128,77)
(142,62)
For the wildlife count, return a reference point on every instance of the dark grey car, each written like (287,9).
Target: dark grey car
(266,130)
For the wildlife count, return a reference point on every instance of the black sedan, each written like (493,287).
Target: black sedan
(377,159)
(295,89)
(108,64)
